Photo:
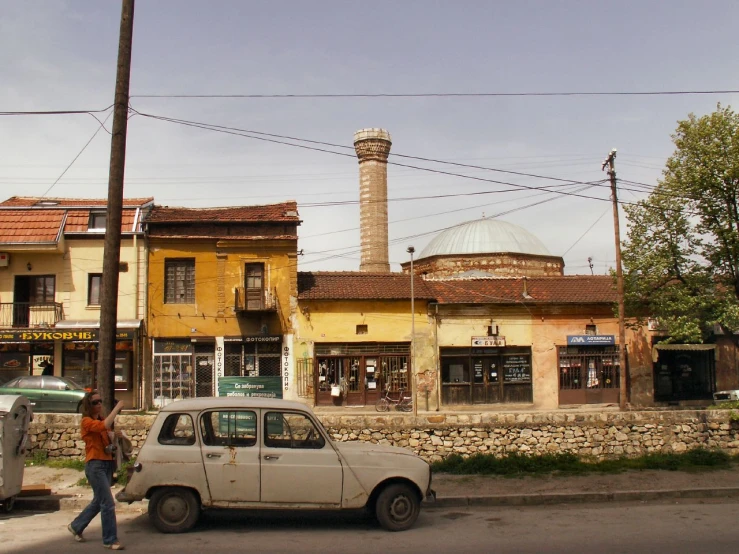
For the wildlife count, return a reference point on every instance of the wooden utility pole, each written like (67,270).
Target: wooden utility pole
(413,374)
(112,249)
(623,369)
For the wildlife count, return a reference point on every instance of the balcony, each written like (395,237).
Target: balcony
(27,315)
(249,301)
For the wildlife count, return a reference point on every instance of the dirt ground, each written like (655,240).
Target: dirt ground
(64,482)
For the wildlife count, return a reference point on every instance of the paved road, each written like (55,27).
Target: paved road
(689,527)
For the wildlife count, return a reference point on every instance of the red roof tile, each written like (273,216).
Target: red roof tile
(44,202)
(283,212)
(359,286)
(22,226)
(78,221)
(571,289)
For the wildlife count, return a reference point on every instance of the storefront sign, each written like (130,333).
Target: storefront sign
(264,338)
(51,335)
(172,347)
(219,361)
(488,341)
(516,369)
(251,387)
(585,340)
(286,362)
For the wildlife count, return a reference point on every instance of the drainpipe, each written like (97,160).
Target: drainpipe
(438,357)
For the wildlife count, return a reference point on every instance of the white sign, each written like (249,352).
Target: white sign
(219,360)
(488,341)
(286,365)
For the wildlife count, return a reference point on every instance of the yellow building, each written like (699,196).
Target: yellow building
(51,259)
(222,288)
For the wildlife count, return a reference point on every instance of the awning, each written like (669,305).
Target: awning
(680,347)
(95,324)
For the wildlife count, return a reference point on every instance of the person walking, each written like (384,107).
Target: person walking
(99,466)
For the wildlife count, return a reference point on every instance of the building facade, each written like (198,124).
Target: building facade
(51,259)
(222,295)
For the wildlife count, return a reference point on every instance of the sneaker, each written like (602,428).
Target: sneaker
(114,546)
(77,536)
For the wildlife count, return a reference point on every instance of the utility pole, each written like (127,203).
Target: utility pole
(610,161)
(414,385)
(112,248)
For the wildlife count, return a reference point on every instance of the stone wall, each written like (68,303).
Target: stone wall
(600,435)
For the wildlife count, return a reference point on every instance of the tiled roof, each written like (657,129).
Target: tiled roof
(78,220)
(571,289)
(568,289)
(283,212)
(44,202)
(359,286)
(23,226)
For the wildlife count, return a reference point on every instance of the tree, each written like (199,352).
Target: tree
(681,257)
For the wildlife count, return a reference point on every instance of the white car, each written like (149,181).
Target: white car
(249,453)
(726,396)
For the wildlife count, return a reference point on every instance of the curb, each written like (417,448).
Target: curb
(70,503)
(581,498)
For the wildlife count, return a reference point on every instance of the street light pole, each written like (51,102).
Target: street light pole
(414,394)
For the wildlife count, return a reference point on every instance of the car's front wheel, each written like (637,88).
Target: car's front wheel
(397,507)
(174,509)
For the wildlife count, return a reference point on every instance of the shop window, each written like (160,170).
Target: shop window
(179,281)
(254,286)
(362,329)
(94,282)
(177,430)
(97,221)
(455,370)
(78,362)
(229,428)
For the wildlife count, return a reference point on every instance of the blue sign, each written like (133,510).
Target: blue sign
(590,340)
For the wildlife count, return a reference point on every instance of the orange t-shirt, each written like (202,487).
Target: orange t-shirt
(96,439)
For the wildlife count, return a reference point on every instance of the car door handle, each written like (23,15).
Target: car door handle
(211,455)
(272,457)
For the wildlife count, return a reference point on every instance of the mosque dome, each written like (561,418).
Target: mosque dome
(484,236)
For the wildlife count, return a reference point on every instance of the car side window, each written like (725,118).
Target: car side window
(29,383)
(229,428)
(289,430)
(178,430)
(53,384)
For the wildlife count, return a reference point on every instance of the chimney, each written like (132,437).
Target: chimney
(373,147)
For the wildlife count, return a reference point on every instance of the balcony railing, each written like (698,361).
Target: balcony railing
(255,301)
(30,314)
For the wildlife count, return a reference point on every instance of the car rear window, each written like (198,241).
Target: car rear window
(178,430)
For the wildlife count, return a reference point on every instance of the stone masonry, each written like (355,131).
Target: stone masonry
(373,148)
(433,437)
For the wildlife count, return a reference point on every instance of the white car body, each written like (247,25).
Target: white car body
(250,453)
(726,396)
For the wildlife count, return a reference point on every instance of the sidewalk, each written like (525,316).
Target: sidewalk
(463,490)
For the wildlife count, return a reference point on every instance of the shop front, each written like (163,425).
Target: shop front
(19,357)
(486,373)
(356,374)
(589,370)
(217,366)
(684,372)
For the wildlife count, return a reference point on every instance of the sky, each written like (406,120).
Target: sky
(61,55)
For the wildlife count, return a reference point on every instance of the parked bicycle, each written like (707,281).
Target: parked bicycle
(402,403)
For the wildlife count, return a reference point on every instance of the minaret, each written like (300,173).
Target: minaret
(373,147)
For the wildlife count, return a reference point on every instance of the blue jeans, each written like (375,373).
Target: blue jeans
(99,474)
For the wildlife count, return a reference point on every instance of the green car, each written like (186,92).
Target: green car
(47,393)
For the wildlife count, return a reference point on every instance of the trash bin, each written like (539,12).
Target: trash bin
(15,416)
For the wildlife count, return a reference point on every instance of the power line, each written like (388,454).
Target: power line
(444,94)
(57,112)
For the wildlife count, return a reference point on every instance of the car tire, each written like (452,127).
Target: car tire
(397,507)
(9,504)
(174,509)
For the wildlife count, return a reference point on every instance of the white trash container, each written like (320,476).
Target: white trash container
(15,416)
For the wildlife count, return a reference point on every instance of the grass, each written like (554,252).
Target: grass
(40,458)
(514,465)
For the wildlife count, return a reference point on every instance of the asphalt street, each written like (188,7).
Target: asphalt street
(687,526)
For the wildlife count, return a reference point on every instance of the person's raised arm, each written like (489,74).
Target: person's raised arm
(111,416)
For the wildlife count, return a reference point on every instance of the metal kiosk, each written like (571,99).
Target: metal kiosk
(15,417)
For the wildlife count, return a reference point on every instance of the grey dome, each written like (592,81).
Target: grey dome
(484,236)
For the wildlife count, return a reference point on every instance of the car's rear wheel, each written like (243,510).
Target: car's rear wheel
(9,504)
(397,507)
(174,509)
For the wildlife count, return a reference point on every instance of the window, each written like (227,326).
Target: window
(254,286)
(287,430)
(42,289)
(362,329)
(97,221)
(177,430)
(229,428)
(94,282)
(179,281)
(591,330)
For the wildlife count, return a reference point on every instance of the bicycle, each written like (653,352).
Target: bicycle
(402,403)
